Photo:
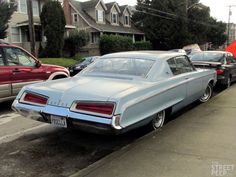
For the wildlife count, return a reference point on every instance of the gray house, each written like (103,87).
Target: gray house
(99,18)
(18,31)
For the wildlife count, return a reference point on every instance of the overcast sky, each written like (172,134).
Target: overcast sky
(219,8)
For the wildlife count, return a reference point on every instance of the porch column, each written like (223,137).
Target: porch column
(144,38)
(133,38)
(101,33)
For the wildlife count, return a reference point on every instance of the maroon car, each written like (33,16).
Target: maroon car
(18,68)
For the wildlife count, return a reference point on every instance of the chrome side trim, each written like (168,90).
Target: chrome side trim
(172,87)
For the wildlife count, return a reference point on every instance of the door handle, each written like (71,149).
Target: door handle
(16,70)
(186,78)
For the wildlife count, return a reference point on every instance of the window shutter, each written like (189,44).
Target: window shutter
(96,15)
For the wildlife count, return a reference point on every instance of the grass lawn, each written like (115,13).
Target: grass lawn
(58,61)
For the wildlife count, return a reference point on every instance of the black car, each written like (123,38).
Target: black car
(76,68)
(223,62)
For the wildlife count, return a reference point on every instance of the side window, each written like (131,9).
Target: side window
(183,64)
(196,56)
(1,58)
(15,56)
(230,59)
(173,66)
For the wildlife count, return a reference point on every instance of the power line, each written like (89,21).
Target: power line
(167,18)
(173,15)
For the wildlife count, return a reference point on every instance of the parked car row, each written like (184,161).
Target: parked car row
(223,62)
(119,92)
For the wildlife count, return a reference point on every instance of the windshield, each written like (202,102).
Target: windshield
(86,61)
(121,66)
(212,57)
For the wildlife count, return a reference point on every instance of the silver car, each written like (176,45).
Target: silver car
(119,92)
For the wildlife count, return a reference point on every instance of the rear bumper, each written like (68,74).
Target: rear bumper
(82,121)
(221,80)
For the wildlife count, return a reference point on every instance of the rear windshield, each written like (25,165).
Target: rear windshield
(212,57)
(121,66)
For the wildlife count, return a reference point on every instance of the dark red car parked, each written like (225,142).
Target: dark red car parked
(19,68)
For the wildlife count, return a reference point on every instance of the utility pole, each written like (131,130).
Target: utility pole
(228,26)
(31,27)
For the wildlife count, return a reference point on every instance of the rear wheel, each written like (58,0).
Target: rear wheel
(228,83)
(158,121)
(207,94)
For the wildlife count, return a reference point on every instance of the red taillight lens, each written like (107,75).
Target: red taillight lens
(96,107)
(35,99)
(220,71)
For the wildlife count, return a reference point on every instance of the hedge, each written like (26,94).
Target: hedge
(142,45)
(117,43)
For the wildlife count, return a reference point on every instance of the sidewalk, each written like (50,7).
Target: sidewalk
(199,143)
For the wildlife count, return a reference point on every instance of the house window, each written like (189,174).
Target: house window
(114,18)
(15,35)
(23,6)
(75,18)
(35,6)
(100,15)
(126,20)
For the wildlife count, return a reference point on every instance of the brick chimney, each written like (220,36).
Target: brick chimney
(67,12)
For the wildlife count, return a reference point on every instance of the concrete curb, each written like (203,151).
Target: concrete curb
(114,155)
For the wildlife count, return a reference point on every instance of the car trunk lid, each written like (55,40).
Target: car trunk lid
(63,92)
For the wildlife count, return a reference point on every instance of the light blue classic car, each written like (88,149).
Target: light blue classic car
(119,92)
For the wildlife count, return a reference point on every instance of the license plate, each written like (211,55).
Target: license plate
(58,121)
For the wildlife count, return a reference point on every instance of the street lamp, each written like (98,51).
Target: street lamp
(230,13)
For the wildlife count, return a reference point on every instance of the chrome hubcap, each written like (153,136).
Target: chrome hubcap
(207,94)
(228,82)
(159,120)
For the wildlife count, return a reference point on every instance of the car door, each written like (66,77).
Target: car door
(193,80)
(181,85)
(23,68)
(231,63)
(5,82)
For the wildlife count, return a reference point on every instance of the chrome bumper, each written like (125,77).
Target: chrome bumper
(82,120)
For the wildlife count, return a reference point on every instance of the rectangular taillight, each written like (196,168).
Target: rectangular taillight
(219,71)
(32,98)
(99,108)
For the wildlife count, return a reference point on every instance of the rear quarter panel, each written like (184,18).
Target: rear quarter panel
(141,104)
(138,104)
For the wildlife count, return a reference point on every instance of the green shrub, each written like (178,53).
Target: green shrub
(75,41)
(142,45)
(115,43)
(53,23)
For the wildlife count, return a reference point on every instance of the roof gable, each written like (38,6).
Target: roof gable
(124,8)
(112,5)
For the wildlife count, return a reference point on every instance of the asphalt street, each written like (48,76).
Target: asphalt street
(30,148)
